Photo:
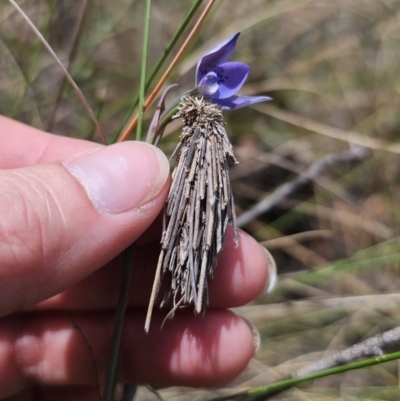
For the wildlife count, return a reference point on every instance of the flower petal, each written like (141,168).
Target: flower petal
(237,102)
(217,55)
(230,77)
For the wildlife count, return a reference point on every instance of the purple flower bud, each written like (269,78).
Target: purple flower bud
(219,79)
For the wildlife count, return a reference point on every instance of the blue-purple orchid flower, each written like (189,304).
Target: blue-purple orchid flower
(219,79)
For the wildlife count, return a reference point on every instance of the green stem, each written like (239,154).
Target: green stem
(144,67)
(274,388)
(112,367)
(159,64)
(173,41)
(112,372)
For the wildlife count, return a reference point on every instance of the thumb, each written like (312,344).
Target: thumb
(59,222)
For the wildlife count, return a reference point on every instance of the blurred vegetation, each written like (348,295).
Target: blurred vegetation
(327,64)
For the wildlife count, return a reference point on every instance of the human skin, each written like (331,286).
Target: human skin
(68,209)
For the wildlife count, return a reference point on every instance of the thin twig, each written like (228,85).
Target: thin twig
(60,64)
(371,347)
(167,73)
(352,155)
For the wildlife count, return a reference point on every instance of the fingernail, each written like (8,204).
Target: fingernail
(255,333)
(121,177)
(272,271)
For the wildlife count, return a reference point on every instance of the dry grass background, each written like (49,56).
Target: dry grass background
(333,69)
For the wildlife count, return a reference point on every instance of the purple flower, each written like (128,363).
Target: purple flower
(219,79)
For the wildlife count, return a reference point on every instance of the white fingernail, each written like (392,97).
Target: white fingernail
(256,334)
(272,271)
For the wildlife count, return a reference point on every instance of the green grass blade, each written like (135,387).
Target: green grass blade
(274,388)
(159,64)
(144,68)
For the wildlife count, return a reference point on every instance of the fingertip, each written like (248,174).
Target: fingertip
(121,177)
(228,348)
(241,274)
(190,350)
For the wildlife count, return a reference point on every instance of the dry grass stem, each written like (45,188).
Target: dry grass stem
(372,346)
(356,154)
(308,124)
(287,241)
(64,70)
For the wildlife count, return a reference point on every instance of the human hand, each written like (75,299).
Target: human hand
(68,209)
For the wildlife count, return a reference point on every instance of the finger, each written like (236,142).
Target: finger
(240,276)
(22,145)
(59,393)
(244,272)
(61,222)
(60,349)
